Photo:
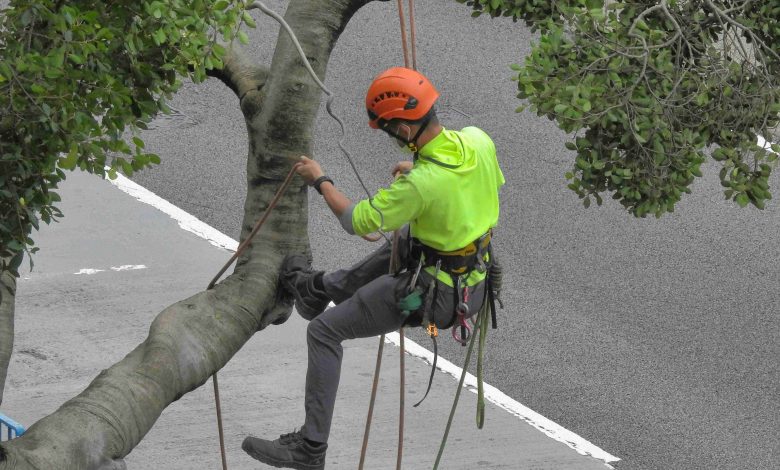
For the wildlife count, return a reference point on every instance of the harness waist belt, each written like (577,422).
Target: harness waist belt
(455,262)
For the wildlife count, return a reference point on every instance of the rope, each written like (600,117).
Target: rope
(413,36)
(394,261)
(443,444)
(403,32)
(222,452)
(371,403)
(483,329)
(393,269)
(213,282)
(402,401)
(328,106)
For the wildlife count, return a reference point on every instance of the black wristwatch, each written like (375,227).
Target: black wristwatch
(318,182)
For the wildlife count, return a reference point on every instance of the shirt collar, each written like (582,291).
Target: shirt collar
(428,149)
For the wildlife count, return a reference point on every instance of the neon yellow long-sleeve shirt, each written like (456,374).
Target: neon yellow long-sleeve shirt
(449,198)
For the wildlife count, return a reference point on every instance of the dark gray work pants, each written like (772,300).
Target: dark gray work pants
(365,297)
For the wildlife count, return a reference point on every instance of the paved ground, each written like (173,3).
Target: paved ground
(656,339)
(70,326)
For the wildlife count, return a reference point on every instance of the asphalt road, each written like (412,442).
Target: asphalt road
(655,339)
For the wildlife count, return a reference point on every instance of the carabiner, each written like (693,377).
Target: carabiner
(465,330)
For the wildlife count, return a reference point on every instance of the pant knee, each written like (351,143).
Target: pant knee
(318,331)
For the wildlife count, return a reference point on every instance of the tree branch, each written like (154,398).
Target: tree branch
(7,294)
(192,339)
(244,77)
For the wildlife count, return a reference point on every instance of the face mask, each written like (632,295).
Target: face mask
(404,129)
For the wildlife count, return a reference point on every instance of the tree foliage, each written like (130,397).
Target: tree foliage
(649,87)
(76,76)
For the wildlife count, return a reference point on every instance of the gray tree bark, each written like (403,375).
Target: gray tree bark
(7,297)
(192,339)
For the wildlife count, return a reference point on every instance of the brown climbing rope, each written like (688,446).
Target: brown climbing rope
(394,252)
(213,282)
(393,270)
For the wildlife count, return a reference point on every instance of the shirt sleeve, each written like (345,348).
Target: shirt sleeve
(399,204)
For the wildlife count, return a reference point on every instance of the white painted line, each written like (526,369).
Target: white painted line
(124,267)
(128,267)
(89,271)
(494,395)
(186,221)
(762,142)
(500,399)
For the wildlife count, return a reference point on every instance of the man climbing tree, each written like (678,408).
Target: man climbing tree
(449,197)
(651,85)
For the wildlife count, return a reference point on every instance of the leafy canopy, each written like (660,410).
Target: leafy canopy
(649,87)
(75,76)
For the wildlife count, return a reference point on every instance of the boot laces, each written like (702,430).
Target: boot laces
(289,438)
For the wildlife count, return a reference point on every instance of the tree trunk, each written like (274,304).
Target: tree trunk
(7,294)
(192,339)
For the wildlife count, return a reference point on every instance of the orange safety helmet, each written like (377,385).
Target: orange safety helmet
(399,93)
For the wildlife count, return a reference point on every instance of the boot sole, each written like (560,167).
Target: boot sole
(279,464)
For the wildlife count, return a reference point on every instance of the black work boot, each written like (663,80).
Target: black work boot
(289,451)
(305,284)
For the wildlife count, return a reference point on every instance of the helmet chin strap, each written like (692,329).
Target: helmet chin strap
(412,143)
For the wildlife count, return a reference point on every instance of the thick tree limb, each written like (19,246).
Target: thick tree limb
(7,294)
(244,77)
(192,339)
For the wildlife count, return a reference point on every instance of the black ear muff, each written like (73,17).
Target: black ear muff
(411,103)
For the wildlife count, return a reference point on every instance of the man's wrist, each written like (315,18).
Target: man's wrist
(318,182)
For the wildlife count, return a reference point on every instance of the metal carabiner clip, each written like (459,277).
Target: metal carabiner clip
(464,327)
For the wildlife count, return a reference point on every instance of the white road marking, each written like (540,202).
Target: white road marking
(500,399)
(762,142)
(124,267)
(191,224)
(89,271)
(186,221)
(128,267)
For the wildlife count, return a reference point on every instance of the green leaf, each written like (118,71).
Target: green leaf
(586,106)
(243,38)
(138,142)
(159,36)
(249,20)
(742,199)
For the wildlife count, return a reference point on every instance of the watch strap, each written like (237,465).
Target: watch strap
(318,182)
